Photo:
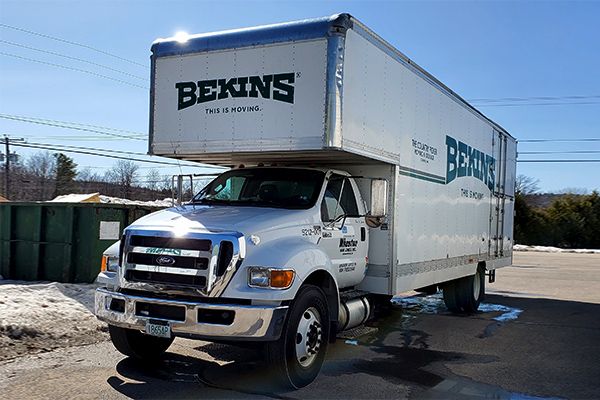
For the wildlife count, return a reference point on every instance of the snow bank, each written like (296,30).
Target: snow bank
(549,249)
(167,202)
(98,198)
(41,316)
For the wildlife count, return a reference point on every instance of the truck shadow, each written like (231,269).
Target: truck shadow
(399,354)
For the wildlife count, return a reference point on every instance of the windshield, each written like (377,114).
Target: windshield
(264,187)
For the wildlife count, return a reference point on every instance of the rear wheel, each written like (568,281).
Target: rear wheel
(298,355)
(465,294)
(134,343)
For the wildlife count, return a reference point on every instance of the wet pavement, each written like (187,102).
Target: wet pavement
(517,348)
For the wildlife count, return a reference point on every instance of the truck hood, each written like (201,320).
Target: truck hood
(246,220)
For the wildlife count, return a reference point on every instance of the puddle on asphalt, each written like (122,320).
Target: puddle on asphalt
(434,304)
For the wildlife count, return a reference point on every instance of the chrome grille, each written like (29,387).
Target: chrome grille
(199,262)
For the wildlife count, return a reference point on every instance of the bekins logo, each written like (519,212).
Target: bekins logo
(464,160)
(276,86)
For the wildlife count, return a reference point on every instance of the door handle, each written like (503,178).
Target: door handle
(363,234)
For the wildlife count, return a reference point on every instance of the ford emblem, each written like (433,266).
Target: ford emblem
(165,260)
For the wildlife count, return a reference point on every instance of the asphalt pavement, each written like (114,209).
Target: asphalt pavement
(538,337)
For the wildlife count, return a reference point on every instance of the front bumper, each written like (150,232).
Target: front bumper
(261,323)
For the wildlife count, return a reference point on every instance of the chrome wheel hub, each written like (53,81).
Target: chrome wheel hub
(308,337)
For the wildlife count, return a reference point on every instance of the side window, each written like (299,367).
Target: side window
(330,207)
(231,189)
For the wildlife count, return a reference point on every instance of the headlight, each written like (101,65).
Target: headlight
(109,263)
(273,278)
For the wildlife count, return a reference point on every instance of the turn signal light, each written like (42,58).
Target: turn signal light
(282,278)
(104,264)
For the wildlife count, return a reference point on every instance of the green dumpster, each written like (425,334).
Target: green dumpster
(60,242)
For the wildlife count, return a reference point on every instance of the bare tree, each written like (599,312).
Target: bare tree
(153,179)
(42,167)
(123,173)
(526,185)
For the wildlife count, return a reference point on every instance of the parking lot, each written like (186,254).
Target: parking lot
(538,336)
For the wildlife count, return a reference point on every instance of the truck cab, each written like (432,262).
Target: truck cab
(228,264)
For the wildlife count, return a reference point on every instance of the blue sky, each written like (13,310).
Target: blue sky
(481,50)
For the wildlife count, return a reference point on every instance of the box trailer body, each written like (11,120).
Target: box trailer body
(355,176)
(341,96)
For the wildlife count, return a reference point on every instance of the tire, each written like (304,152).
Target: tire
(296,358)
(465,294)
(135,344)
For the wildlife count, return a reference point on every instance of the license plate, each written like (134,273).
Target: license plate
(160,329)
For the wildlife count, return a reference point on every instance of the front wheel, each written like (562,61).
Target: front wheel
(134,343)
(298,355)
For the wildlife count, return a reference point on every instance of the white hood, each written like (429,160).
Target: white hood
(208,218)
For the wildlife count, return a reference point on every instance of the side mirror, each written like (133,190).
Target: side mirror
(378,198)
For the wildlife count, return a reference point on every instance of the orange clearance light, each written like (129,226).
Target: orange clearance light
(282,278)
(104,264)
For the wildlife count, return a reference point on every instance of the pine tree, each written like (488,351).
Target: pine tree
(66,171)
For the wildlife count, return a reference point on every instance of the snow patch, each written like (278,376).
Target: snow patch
(550,249)
(41,316)
(509,313)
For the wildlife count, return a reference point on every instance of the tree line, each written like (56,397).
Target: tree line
(570,219)
(43,176)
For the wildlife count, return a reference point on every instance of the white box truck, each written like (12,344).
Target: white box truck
(354,175)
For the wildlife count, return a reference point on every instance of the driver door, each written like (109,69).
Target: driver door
(345,240)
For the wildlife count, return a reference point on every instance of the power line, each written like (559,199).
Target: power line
(90,148)
(558,140)
(66,125)
(562,152)
(559,161)
(73,43)
(135,133)
(74,58)
(85,71)
(93,152)
(539,104)
(545,98)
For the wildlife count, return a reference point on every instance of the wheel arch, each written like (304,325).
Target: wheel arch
(325,281)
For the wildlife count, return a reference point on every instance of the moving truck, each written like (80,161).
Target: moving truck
(354,175)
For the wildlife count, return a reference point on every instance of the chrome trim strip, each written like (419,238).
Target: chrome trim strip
(169,270)
(250,321)
(158,251)
(334,90)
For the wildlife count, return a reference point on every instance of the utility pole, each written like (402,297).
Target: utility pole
(7,167)
(7,141)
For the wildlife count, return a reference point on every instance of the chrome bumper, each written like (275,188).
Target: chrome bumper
(262,323)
